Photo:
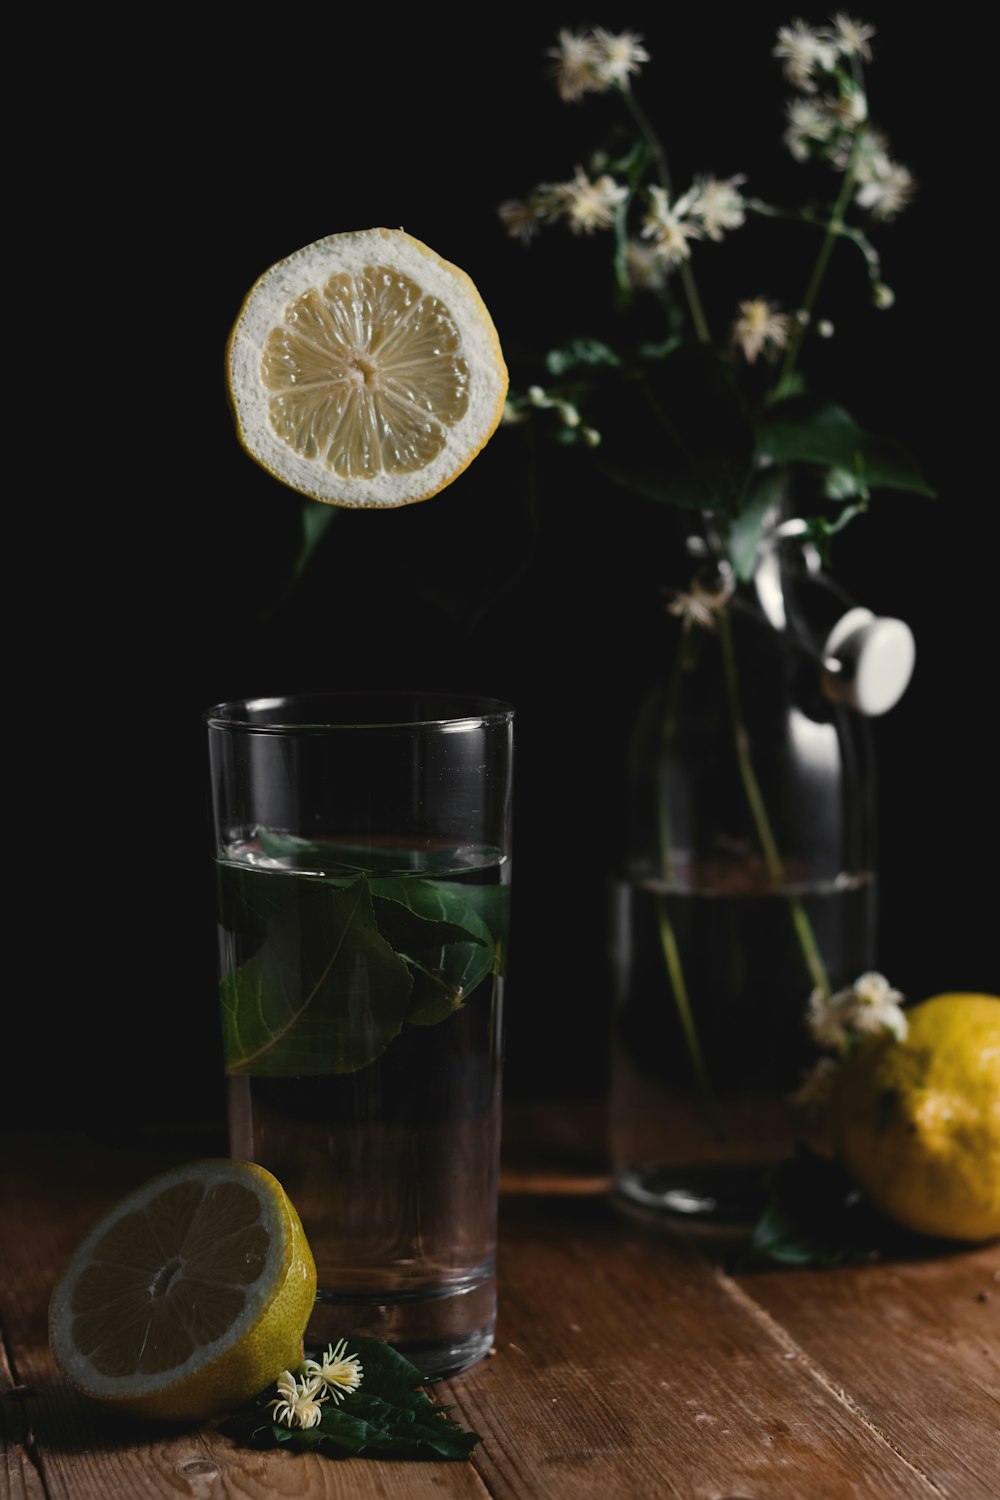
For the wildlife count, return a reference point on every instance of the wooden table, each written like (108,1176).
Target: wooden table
(630,1364)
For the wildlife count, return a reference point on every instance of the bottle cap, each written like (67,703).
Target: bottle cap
(868,661)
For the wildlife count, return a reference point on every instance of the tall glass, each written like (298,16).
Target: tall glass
(362,848)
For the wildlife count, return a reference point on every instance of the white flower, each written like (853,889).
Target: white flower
(809,125)
(869,1005)
(339,1374)
(850,108)
(299,1402)
(521,217)
(718,204)
(618,54)
(575,71)
(645,269)
(883,296)
(803,50)
(760,328)
(851,38)
(590,205)
(669,228)
(701,604)
(885,189)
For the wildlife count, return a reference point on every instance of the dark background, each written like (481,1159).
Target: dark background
(162,553)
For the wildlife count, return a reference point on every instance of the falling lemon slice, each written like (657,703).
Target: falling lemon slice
(364,370)
(189,1296)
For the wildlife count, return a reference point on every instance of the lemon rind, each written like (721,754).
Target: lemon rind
(311,266)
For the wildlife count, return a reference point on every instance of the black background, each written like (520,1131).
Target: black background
(175,174)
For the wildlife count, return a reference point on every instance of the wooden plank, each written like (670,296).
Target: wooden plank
(627,1369)
(74,1449)
(917,1346)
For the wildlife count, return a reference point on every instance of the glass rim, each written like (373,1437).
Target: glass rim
(476,710)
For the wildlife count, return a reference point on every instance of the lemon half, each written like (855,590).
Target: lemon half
(365,370)
(189,1296)
(917,1122)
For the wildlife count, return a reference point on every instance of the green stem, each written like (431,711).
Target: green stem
(758,810)
(655,145)
(668,937)
(834,229)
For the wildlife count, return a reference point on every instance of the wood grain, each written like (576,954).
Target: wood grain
(630,1364)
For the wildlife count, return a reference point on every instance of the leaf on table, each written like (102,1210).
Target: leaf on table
(815,1216)
(387,1414)
(325,993)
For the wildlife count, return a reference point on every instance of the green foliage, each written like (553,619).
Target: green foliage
(691,393)
(387,1415)
(343,962)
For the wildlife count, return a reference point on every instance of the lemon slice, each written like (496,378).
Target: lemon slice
(364,370)
(189,1296)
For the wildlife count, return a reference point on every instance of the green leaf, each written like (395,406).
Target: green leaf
(325,993)
(444,940)
(815,1216)
(745,530)
(330,855)
(824,434)
(388,1413)
(316,518)
(581,353)
(677,431)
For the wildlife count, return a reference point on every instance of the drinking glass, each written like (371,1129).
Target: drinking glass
(362,850)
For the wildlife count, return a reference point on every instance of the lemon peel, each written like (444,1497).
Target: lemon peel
(364,370)
(189,1296)
(917,1121)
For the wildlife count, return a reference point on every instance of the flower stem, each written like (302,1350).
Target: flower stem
(758,810)
(668,937)
(655,145)
(834,229)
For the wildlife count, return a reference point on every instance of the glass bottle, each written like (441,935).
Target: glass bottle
(749,876)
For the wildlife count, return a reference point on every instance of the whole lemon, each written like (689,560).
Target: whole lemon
(917,1122)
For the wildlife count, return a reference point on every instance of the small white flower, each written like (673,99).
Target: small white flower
(338,1374)
(867,1006)
(576,58)
(645,269)
(803,50)
(883,296)
(809,126)
(718,204)
(851,37)
(701,604)
(299,1402)
(760,328)
(825,328)
(521,217)
(668,227)
(618,54)
(591,205)
(885,190)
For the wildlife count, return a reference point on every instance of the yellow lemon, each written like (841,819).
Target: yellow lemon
(917,1122)
(365,370)
(189,1296)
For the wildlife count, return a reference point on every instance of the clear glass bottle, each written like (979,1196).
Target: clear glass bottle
(749,877)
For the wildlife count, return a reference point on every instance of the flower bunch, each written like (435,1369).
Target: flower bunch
(300,1398)
(644,402)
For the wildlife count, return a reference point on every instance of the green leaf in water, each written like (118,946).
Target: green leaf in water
(447,945)
(325,993)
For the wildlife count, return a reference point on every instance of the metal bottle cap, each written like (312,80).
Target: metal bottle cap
(868,661)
